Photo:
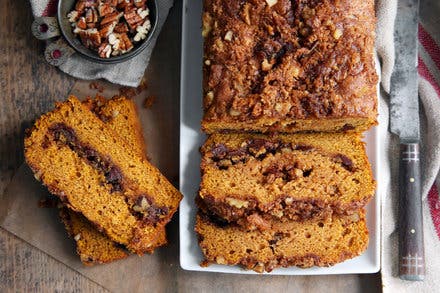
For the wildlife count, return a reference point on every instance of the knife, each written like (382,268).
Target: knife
(404,122)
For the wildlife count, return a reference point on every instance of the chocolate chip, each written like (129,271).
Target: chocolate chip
(345,162)
(287,173)
(219,151)
(347,127)
(303,147)
(216,220)
(260,147)
(307,173)
(114,178)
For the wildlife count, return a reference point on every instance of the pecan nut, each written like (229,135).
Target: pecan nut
(110,27)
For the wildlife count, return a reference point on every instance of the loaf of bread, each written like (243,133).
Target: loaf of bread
(291,243)
(93,247)
(95,172)
(289,176)
(289,66)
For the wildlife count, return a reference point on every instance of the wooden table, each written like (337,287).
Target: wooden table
(29,88)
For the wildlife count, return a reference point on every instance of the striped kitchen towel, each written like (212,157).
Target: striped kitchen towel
(429,92)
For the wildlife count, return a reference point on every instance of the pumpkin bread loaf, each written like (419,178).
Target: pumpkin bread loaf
(94,171)
(252,177)
(303,244)
(289,66)
(93,247)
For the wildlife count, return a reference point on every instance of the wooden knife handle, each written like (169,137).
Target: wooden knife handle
(411,248)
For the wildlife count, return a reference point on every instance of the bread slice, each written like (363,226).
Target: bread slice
(293,176)
(291,243)
(93,171)
(120,114)
(93,247)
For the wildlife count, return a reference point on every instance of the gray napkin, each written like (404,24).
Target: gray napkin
(128,73)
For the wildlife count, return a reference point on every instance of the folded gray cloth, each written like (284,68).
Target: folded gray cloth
(128,73)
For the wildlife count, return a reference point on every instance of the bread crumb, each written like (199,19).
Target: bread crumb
(149,101)
(128,92)
(96,86)
(48,202)
(142,86)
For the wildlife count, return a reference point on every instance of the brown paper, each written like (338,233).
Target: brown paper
(42,228)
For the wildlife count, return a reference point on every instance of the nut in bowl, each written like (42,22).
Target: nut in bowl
(107,31)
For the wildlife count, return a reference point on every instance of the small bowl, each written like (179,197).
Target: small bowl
(65,6)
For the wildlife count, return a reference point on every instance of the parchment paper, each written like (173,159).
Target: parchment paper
(42,228)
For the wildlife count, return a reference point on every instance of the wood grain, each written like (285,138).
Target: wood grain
(30,87)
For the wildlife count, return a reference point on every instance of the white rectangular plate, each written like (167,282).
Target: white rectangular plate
(191,138)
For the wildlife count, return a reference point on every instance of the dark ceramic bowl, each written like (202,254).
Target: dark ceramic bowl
(65,6)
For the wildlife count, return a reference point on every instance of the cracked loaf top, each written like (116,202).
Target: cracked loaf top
(289,66)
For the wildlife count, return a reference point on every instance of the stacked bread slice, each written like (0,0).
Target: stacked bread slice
(288,89)
(91,155)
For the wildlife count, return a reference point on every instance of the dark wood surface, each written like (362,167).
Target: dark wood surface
(29,88)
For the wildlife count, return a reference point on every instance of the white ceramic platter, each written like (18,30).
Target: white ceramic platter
(191,138)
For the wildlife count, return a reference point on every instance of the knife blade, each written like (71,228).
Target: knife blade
(404,122)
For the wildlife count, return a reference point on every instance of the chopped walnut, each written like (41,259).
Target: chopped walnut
(206,24)
(107,30)
(143,205)
(288,200)
(337,33)
(91,17)
(133,19)
(228,36)
(73,16)
(90,37)
(265,65)
(234,112)
(105,50)
(246,15)
(238,203)
(121,28)
(139,3)
(143,12)
(271,2)
(142,31)
(81,23)
(105,9)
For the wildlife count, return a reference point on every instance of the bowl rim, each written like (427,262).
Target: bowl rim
(116,59)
